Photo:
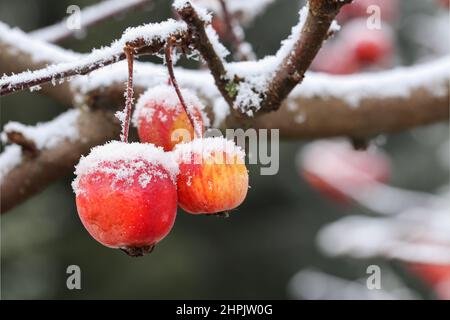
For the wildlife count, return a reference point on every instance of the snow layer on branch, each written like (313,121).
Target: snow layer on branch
(9,159)
(126,162)
(419,235)
(150,33)
(218,47)
(179,5)
(166,96)
(88,16)
(48,134)
(40,52)
(396,83)
(259,73)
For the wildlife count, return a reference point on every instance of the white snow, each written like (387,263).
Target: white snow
(152,32)
(221,110)
(39,51)
(48,134)
(400,237)
(209,149)
(201,11)
(149,33)
(126,162)
(247,10)
(399,82)
(395,83)
(258,74)
(88,15)
(166,96)
(218,47)
(9,159)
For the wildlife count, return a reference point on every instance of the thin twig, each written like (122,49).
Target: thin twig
(235,39)
(87,64)
(66,70)
(129,53)
(206,49)
(173,80)
(293,67)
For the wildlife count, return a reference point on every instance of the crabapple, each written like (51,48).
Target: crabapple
(368,46)
(159,115)
(212,175)
(335,168)
(126,195)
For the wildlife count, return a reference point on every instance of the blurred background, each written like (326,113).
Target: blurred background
(268,248)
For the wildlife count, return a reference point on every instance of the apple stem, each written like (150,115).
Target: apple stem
(173,81)
(130,92)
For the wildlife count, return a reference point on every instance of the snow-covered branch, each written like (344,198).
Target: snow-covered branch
(146,39)
(298,52)
(58,146)
(324,105)
(89,16)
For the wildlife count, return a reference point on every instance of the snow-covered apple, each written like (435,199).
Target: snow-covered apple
(159,114)
(126,195)
(212,176)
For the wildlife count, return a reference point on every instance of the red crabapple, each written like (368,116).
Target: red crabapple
(159,114)
(126,195)
(334,168)
(213,177)
(368,46)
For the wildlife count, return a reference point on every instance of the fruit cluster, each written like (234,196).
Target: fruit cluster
(127,193)
(362,43)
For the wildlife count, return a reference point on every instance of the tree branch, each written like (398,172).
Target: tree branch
(357,106)
(99,59)
(203,44)
(36,172)
(89,16)
(292,70)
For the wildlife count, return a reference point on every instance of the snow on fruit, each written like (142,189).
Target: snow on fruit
(126,195)
(212,176)
(159,114)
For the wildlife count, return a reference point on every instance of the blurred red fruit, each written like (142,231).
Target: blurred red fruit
(334,168)
(335,58)
(368,46)
(444,3)
(436,276)
(358,9)
(219,26)
(126,195)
